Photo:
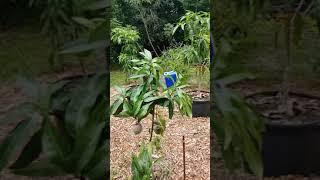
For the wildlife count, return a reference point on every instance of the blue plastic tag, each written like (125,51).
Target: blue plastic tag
(170,78)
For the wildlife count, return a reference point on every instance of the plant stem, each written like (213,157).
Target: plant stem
(153,113)
(184,158)
(82,67)
(276,35)
(285,84)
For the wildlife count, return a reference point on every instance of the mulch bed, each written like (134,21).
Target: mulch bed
(196,131)
(197,143)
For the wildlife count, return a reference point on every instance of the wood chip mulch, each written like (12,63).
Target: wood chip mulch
(197,147)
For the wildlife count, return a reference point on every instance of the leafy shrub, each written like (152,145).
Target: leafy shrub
(61,132)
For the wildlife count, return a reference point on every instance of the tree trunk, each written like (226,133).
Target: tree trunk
(285,79)
(152,124)
(148,36)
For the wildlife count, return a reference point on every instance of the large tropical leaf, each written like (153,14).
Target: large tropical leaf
(30,152)
(83,99)
(86,144)
(56,147)
(18,112)
(17,139)
(41,168)
(86,46)
(96,168)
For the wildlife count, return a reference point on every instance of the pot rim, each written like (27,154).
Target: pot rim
(314,124)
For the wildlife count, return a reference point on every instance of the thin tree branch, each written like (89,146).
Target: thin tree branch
(297,10)
(149,39)
(308,8)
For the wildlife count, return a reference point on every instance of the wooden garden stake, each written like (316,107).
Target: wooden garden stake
(184,159)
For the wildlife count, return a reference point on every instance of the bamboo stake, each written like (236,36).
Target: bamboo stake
(184,159)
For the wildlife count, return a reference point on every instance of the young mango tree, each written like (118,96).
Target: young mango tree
(141,100)
(128,38)
(196,27)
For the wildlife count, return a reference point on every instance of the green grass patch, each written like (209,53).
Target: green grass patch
(23,50)
(117,77)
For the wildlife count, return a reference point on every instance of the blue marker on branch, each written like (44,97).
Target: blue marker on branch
(170,78)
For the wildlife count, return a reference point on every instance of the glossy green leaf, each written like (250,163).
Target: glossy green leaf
(30,152)
(16,140)
(40,168)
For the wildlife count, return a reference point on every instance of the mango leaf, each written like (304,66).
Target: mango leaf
(82,100)
(137,76)
(16,140)
(55,146)
(136,93)
(20,111)
(101,4)
(150,99)
(30,152)
(84,22)
(40,168)
(136,107)
(86,144)
(234,78)
(144,111)
(87,46)
(97,165)
(116,106)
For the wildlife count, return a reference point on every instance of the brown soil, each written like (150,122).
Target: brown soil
(301,108)
(199,95)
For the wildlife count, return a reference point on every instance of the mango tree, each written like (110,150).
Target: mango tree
(141,100)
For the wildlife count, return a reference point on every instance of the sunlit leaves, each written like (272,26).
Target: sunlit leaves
(141,165)
(196,26)
(124,35)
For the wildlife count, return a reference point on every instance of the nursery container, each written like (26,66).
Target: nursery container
(291,148)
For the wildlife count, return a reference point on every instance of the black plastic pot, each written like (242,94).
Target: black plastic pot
(200,108)
(291,148)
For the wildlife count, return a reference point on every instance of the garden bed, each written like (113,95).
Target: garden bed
(197,141)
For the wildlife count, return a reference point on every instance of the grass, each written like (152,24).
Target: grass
(22,50)
(25,50)
(117,77)
(259,55)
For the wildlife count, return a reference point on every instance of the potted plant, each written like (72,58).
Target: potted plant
(291,118)
(196,28)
